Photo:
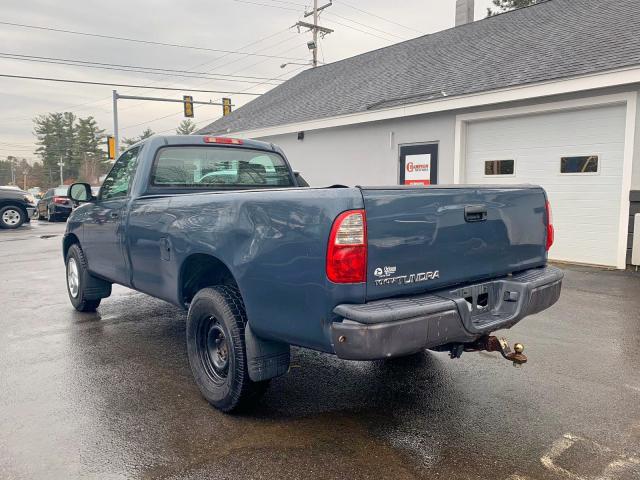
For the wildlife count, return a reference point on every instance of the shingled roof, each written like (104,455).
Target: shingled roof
(552,40)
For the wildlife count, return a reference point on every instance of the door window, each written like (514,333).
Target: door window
(118,181)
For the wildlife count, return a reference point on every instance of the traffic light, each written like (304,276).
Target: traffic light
(111,147)
(226,106)
(188,106)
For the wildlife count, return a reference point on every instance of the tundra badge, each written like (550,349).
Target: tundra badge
(404,279)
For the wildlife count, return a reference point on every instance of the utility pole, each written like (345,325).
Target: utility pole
(61,164)
(315,28)
(24,182)
(315,33)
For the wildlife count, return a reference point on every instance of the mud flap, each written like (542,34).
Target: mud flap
(265,358)
(96,288)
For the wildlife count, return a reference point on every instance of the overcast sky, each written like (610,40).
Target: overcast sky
(216,24)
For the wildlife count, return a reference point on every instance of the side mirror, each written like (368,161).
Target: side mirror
(301,181)
(80,192)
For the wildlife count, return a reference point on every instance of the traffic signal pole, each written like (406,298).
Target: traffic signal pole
(225,104)
(115,122)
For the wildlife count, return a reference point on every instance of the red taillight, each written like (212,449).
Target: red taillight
(60,200)
(223,140)
(347,249)
(550,232)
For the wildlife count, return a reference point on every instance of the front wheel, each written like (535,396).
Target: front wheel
(217,351)
(77,281)
(12,217)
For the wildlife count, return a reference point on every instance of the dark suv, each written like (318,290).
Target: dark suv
(16,207)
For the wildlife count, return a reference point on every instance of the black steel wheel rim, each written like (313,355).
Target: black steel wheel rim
(214,349)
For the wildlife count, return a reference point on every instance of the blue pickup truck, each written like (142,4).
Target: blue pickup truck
(222,227)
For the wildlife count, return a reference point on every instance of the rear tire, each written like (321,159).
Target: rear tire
(217,351)
(77,280)
(12,217)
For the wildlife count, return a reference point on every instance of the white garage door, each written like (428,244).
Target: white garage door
(586,204)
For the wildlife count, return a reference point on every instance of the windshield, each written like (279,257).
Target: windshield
(208,166)
(61,192)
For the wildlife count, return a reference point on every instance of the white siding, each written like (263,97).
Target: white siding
(367,154)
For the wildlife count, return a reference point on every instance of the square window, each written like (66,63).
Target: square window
(579,164)
(499,167)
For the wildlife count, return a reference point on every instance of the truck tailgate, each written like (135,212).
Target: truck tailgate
(421,239)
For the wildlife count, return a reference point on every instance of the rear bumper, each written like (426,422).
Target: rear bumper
(61,210)
(401,326)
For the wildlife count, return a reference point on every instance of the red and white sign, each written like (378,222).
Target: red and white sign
(417,169)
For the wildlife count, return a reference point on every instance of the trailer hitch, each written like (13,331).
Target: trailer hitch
(493,344)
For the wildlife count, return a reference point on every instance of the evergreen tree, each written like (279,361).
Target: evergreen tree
(8,170)
(127,142)
(87,150)
(506,5)
(50,134)
(75,141)
(186,127)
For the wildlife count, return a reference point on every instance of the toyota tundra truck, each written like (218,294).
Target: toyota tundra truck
(223,228)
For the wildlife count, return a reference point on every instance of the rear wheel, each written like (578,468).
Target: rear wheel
(217,351)
(77,280)
(12,217)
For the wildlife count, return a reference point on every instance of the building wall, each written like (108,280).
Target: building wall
(366,154)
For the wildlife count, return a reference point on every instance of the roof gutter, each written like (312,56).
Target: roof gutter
(611,78)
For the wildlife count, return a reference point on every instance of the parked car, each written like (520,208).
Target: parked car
(364,273)
(55,205)
(16,207)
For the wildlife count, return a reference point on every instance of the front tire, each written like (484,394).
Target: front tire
(12,217)
(77,280)
(217,351)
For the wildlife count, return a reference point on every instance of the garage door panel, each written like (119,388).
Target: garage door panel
(586,206)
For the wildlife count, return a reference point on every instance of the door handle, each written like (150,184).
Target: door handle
(475,213)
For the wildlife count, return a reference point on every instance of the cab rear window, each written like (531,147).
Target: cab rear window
(218,167)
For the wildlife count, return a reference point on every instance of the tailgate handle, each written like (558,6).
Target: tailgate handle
(475,213)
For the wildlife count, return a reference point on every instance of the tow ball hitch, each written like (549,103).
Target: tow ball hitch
(493,344)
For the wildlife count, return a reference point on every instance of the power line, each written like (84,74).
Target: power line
(267,5)
(176,74)
(146,42)
(235,60)
(137,68)
(243,91)
(63,80)
(290,3)
(365,25)
(359,30)
(335,15)
(341,2)
(109,98)
(207,120)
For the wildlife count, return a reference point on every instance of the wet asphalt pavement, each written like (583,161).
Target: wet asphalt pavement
(110,395)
